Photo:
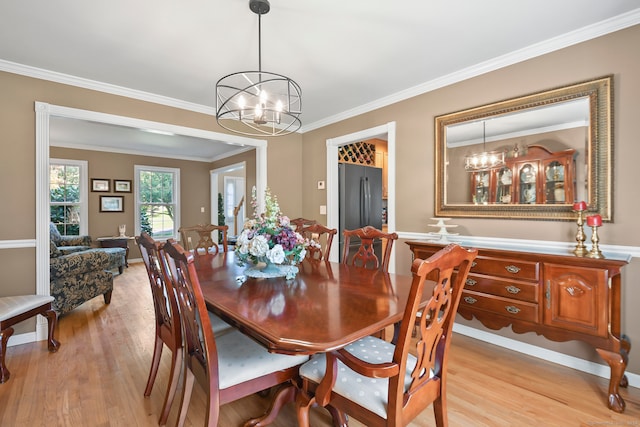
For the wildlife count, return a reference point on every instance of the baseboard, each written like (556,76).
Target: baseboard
(25,338)
(542,353)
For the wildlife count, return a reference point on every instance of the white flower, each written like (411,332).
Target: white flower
(243,242)
(258,246)
(303,252)
(276,254)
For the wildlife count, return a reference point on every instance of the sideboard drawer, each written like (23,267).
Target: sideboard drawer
(510,268)
(523,291)
(502,306)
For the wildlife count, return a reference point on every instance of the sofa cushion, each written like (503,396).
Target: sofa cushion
(54,252)
(54,234)
(79,263)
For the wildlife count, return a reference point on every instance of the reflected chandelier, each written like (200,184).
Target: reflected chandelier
(258,103)
(485,160)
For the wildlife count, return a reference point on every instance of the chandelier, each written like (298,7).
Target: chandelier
(485,160)
(258,103)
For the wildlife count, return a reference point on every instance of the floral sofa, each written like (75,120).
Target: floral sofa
(79,272)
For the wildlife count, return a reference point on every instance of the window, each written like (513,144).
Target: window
(157,201)
(68,196)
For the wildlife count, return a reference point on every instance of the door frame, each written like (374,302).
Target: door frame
(386,131)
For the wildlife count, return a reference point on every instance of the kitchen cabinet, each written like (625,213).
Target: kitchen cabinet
(554,294)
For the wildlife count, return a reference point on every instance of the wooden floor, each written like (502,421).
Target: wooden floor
(98,376)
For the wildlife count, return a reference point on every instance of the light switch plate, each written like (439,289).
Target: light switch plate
(320,185)
(323,209)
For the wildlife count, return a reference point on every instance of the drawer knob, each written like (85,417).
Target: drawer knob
(512,289)
(473,264)
(470,300)
(512,269)
(512,309)
(470,282)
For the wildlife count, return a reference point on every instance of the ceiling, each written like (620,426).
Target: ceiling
(348,56)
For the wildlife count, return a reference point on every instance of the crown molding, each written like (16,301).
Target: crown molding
(583,34)
(589,32)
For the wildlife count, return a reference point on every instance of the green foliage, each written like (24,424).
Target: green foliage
(221,217)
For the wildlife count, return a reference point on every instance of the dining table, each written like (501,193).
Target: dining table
(326,306)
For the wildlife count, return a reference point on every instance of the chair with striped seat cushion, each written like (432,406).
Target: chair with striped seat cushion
(383,384)
(16,309)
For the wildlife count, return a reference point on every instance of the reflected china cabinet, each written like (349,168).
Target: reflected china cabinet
(539,177)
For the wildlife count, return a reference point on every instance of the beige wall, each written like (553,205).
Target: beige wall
(296,163)
(612,54)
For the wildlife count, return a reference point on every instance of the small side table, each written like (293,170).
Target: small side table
(117,242)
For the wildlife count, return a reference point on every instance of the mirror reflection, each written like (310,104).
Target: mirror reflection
(532,156)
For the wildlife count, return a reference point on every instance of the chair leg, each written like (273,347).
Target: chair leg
(303,405)
(52,320)
(4,338)
(155,362)
(107,297)
(440,411)
(174,376)
(187,388)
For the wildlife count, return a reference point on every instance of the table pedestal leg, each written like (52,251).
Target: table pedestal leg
(284,395)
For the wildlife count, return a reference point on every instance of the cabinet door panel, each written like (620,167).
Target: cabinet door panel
(576,299)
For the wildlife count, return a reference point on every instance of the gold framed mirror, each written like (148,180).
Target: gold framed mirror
(528,157)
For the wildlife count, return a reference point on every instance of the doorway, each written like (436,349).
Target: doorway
(386,132)
(45,111)
(230,183)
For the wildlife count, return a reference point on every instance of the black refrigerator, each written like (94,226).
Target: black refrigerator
(360,201)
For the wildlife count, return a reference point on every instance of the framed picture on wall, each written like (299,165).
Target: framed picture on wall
(111,203)
(122,185)
(100,185)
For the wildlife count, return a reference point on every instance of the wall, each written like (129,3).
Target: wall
(17,164)
(194,186)
(615,54)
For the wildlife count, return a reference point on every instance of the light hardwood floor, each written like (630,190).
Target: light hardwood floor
(98,376)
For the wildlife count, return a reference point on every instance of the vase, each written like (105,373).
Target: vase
(268,270)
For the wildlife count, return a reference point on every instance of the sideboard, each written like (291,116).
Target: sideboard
(558,295)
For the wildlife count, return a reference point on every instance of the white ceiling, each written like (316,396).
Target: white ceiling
(348,56)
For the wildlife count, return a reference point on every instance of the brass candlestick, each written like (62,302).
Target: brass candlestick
(595,249)
(581,248)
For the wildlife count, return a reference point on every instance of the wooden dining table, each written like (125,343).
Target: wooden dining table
(325,307)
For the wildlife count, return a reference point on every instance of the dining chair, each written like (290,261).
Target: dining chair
(167,330)
(203,236)
(233,365)
(167,322)
(301,222)
(317,233)
(16,309)
(382,384)
(365,255)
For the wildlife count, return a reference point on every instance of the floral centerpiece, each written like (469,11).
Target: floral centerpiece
(268,239)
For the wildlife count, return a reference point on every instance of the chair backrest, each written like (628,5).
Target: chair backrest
(449,268)
(365,255)
(199,342)
(166,308)
(301,222)
(408,396)
(202,234)
(319,234)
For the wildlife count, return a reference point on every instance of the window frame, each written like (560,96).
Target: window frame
(138,169)
(84,190)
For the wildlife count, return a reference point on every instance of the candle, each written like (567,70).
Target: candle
(594,221)
(580,206)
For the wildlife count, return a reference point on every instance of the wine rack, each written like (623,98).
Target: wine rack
(359,153)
